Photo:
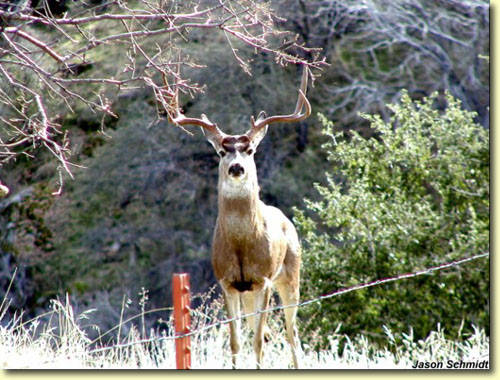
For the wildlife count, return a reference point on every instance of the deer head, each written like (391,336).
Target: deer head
(236,152)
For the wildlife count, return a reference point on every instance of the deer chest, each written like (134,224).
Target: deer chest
(245,264)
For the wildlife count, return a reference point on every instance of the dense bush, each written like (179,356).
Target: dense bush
(413,196)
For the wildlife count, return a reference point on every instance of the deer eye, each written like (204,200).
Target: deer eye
(222,153)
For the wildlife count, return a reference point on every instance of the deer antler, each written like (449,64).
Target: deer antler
(176,116)
(297,115)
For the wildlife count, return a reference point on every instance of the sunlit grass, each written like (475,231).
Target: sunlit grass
(60,343)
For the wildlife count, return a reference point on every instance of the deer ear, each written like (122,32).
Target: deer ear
(256,137)
(214,137)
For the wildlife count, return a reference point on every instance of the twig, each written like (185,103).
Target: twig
(36,42)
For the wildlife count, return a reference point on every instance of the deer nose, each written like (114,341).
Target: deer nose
(236,170)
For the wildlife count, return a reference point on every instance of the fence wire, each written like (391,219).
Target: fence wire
(301,304)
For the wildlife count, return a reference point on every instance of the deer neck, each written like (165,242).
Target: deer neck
(240,212)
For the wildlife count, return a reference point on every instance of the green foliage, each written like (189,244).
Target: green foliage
(413,196)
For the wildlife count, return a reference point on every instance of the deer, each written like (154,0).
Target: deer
(255,247)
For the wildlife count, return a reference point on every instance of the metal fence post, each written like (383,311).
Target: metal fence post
(182,319)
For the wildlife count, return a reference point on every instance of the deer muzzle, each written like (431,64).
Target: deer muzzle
(236,170)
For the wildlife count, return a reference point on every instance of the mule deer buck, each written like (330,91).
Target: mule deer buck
(254,245)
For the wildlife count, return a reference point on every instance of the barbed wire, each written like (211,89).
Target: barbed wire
(301,304)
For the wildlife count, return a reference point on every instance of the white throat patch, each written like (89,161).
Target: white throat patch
(236,187)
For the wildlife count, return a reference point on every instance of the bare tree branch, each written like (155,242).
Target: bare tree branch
(379,47)
(48,59)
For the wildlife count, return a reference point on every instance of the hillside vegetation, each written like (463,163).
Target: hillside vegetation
(142,203)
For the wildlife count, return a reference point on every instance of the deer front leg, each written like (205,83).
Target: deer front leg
(291,297)
(232,301)
(262,298)
(288,290)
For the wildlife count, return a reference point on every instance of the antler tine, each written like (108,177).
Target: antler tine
(296,116)
(176,116)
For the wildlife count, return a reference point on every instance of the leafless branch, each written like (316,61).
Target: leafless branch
(379,47)
(47,60)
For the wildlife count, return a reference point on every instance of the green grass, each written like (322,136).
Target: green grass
(56,340)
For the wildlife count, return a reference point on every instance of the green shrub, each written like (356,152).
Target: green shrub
(413,196)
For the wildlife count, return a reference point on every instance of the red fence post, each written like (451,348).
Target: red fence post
(182,319)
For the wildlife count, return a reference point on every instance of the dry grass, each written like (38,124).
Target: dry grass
(59,342)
